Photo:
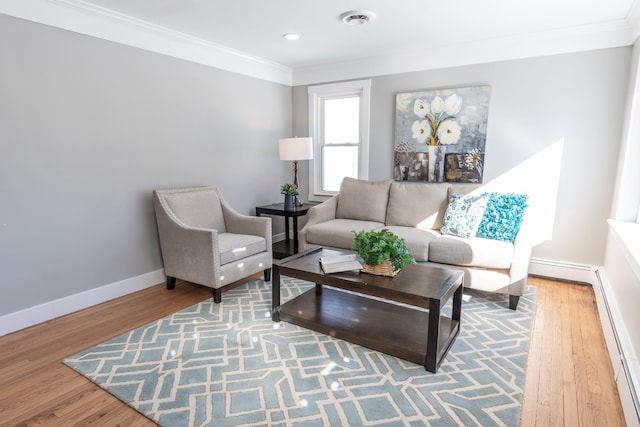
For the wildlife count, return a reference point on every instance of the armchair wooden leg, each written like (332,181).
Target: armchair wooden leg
(171,282)
(513,301)
(217,295)
(267,275)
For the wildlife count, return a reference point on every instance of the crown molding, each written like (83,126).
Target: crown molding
(591,37)
(633,19)
(84,18)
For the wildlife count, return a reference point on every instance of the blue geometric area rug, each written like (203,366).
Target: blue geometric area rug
(229,364)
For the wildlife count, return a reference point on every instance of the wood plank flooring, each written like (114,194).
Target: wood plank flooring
(569,376)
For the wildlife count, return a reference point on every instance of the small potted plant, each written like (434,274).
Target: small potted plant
(383,252)
(289,189)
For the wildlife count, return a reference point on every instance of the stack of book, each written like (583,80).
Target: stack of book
(336,264)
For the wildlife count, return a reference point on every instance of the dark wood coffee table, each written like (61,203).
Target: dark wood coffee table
(401,330)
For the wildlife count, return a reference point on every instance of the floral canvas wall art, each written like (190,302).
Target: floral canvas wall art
(440,135)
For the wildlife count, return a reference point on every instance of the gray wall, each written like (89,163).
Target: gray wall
(88,128)
(534,103)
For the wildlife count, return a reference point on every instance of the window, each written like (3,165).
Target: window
(626,205)
(339,125)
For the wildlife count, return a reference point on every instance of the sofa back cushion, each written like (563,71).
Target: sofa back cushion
(417,205)
(363,200)
(475,189)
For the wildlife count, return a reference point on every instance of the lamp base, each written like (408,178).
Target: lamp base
(297,201)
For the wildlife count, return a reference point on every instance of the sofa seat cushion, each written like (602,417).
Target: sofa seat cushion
(417,204)
(234,247)
(417,240)
(338,233)
(471,252)
(363,200)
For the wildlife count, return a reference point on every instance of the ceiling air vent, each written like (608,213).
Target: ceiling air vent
(357,17)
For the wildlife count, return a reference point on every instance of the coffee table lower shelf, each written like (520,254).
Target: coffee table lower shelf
(393,329)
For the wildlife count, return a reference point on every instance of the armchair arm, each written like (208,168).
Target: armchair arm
(323,212)
(246,224)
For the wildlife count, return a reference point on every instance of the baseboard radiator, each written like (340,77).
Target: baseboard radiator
(625,364)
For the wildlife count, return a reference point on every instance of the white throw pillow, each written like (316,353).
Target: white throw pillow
(463,214)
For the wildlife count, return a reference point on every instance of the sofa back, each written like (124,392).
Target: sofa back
(363,200)
(419,205)
(465,189)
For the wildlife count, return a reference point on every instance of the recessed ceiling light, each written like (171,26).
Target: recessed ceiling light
(357,17)
(291,36)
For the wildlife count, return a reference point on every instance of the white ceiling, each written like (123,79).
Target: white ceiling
(256,26)
(405,35)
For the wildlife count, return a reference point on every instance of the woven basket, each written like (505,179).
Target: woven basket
(384,269)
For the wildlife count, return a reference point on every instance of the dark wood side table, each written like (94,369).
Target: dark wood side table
(284,249)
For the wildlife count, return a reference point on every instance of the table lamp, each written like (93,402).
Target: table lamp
(296,149)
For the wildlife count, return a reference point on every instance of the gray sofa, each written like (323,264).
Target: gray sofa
(415,212)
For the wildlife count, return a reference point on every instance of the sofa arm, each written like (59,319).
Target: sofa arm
(323,212)
(522,247)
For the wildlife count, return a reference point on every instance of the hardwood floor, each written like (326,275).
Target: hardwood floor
(569,376)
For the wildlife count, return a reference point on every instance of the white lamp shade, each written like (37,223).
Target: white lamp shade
(296,148)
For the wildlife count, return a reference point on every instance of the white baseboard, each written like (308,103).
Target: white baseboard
(624,361)
(562,270)
(41,313)
(279,237)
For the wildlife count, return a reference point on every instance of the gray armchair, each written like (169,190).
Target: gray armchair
(204,241)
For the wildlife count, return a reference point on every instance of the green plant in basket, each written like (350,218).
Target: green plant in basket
(289,189)
(376,246)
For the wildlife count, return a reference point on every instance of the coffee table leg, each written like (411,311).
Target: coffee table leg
(431,359)
(433,332)
(275,294)
(457,304)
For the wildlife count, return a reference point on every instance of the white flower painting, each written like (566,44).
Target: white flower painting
(437,130)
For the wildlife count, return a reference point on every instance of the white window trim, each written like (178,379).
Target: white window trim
(316,94)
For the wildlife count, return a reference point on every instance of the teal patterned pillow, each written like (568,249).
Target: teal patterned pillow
(503,216)
(463,215)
